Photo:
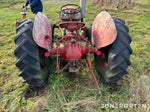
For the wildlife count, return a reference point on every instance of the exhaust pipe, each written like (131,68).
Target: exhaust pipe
(83,6)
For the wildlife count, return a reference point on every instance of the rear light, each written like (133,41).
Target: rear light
(99,52)
(46,54)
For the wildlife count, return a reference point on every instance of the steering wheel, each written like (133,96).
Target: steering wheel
(70,9)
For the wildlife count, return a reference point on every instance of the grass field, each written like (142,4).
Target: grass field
(77,93)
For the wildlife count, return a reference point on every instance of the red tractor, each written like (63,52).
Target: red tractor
(111,46)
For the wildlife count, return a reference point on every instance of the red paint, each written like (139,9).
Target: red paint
(42,32)
(72,50)
(103,30)
(91,70)
(99,52)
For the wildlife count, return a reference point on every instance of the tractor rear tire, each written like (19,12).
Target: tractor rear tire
(32,63)
(112,64)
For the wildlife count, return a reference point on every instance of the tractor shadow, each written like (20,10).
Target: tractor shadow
(120,87)
(32,92)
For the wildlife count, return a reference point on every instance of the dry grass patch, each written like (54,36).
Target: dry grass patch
(113,3)
(140,93)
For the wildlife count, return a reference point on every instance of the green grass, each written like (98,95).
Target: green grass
(76,93)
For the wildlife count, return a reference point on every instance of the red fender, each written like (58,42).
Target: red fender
(103,30)
(42,32)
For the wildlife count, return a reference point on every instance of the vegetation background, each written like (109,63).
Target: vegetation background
(77,93)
